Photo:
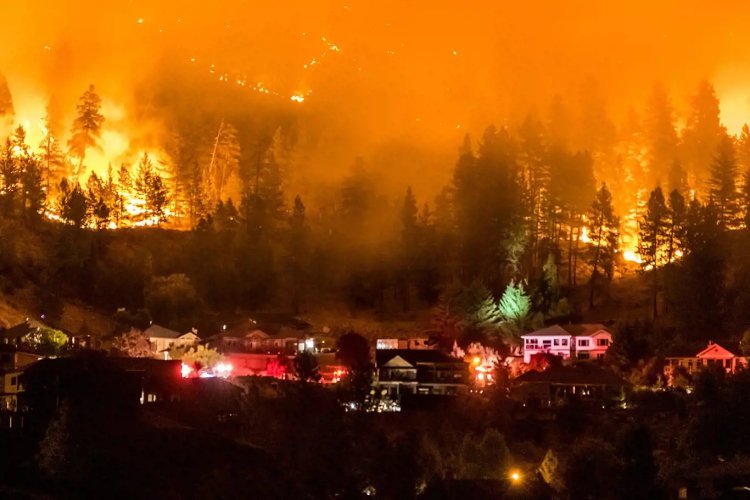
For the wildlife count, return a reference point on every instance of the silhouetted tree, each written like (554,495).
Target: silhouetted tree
(702,135)
(652,237)
(603,225)
(150,187)
(660,135)
(87,126)
(72,204)
(306,367)
(721,184)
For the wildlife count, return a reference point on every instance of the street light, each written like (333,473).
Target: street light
(515,476)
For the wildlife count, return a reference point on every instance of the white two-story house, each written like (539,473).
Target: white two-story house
(584,341)
(163,339)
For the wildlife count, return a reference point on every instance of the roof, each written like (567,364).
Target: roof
(715,351)
(270,323)
(687,349)
(414,356)
(550,331)
(586,329)
(15,332)
(159,332)
(583,374)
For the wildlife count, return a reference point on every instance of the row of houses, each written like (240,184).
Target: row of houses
(266,343)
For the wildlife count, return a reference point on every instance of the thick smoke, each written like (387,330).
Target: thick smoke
(396,83)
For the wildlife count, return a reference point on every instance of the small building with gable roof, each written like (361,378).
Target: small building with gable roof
(712,355)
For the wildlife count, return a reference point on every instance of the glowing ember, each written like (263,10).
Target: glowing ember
(632,256)
(585,235)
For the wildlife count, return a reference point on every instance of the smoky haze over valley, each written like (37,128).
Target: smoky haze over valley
(398,84)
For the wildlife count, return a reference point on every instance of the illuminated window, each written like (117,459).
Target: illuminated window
(583,342)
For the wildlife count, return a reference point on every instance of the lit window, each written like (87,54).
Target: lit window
(583,342)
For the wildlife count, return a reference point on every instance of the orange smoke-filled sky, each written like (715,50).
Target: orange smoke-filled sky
(378,75)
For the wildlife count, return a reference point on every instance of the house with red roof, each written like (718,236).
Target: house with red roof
(712,355)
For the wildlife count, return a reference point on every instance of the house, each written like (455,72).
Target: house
(267,333)
(712,355)
(12,364)
(420,371)
(554,385)
(158,379)
(583,341)
(15,335)
(11,358)
(553,340)
(10,386)
(405,343)
(163,339)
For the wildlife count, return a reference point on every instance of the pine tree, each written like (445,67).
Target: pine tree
(515,307)
(262,204)
(743,148)
(298,253)
(559,123)
(703,134)
(488,204)
(409,247)
(6,99)
(534,160)
(429,258)
(676,225)
(745,198)
(678,178)
(87,126)
(72,204)
(150,187)
(722,187)
(31,192)
(652,239)
(603,224)
(660,135)
(10,179)
(223,162)
(33,198)
(52,159)
(596,132)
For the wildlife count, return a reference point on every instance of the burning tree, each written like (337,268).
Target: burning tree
(224,162)
(87,126)
(150,188)
(51,157)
